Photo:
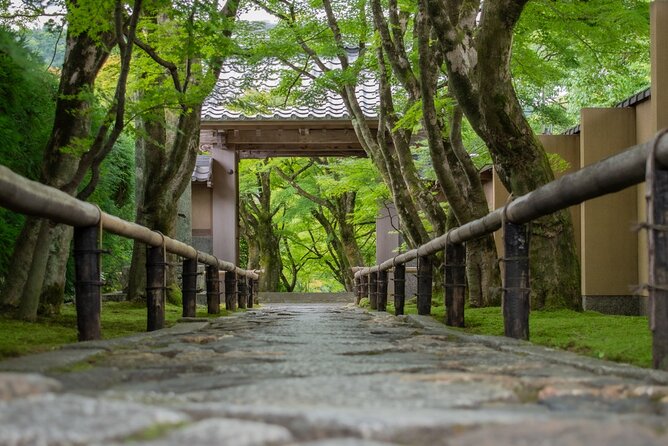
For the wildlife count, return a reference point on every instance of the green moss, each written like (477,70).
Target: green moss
(615,338)
(174,295)
(117,319)
(51,299)
(154,432)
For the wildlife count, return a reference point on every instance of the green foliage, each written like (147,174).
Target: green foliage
(27,104)
(572,54)
(115,194)
(48,42)
(303,237)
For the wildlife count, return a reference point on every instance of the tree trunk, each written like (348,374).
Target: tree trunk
(478,64)
(21,262)
(53,288)
(377,147)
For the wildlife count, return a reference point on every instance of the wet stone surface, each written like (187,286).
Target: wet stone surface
(325,375)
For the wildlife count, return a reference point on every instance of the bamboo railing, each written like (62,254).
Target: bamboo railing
(643,162)
(28,197)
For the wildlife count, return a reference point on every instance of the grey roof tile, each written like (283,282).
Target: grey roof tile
(237,79)
(202,172)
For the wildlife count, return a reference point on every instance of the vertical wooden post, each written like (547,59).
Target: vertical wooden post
(189,280)
(658,263)
(251,292)
(516,286)
(424,285)
(242,292)
(87,282)
(373,290)
(358,290)
(212,290)
(230,291)
(364,279)
(455,284)
(256,291)
(382,290)
(156,269)
(399,288)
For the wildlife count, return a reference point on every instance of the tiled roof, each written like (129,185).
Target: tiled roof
(631,101)
(238,82)
(202,172)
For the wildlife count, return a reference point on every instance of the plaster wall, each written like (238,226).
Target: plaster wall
(610,256)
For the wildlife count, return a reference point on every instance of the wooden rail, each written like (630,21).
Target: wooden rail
(643,162)
(24,196)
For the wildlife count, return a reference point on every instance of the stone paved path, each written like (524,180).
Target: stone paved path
(326,375)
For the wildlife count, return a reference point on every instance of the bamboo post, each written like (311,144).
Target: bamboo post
(373,290)
(424,284)
(87,282)
(382,291)
(242,292)
(156,269)
(455,284)
(189,280)
(516,281)
(251,292)
(212,290)
(230,291)
(399,288)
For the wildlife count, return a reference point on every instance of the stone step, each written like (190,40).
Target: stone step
(283,298)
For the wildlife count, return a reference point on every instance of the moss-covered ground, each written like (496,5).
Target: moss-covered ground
(117,319)
(615,338)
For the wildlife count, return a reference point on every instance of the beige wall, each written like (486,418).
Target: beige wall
(201,209)
(610,255)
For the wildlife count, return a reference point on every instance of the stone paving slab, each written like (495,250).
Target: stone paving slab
(326,375)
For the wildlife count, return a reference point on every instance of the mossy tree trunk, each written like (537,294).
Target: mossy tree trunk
(72,151)
(477,47)
(457,177)
(85,55)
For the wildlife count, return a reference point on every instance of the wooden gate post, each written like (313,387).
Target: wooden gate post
(657,219)
(230,291)
(455,284)
(87,282)
(516,286)
(242,292)
(399,288)
(373,290)
(382,291)
(156,269)
(212,290)
(251,292)
(424,285)
(189,280)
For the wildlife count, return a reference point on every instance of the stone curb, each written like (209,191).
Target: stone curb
(525,348)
